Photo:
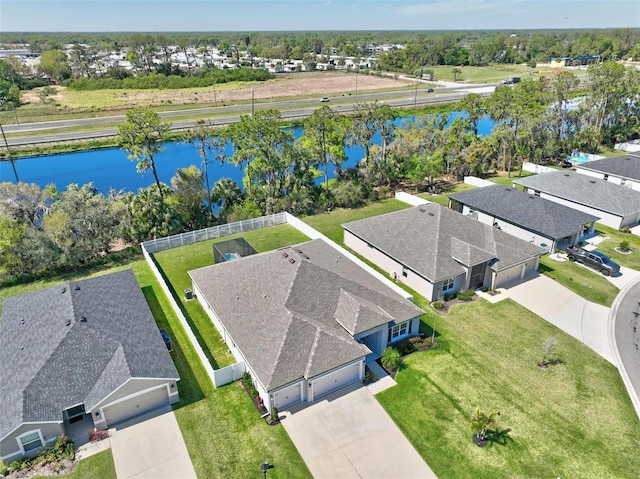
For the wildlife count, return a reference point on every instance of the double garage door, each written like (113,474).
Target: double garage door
(128,408)
(335,380)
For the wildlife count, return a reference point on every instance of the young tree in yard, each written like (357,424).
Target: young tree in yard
(324,139)
(456,71)
(11,234)
(142,136)
(483,422)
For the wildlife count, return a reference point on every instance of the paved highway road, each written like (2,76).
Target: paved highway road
(291,109)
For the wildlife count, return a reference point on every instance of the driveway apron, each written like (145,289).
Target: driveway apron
(349,435)
(582,319)
(151,447)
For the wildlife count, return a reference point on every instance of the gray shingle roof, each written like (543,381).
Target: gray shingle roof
(532,212)
(74,344)
(292,312)
(627,166)
(433,241)
(585,190)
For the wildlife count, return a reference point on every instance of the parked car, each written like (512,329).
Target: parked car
(429,90)
(324,100)
(593,259)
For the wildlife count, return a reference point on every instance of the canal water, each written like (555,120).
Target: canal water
(110,168)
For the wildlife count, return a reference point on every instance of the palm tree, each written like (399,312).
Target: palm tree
(226,193)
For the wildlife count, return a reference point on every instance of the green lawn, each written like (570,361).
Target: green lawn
(589,284)
(329,223)
(502,178)
(487,74)
(573,420)
(614,237)
(443,198)
(98,466)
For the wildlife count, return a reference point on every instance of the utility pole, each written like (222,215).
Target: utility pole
(6,144)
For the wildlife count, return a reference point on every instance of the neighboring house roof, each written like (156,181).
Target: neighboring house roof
(585,190)
(293,312)
(75,344)
(531,212)
(627,166)
(436,242)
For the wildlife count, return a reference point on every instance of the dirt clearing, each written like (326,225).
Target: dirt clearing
(283,86)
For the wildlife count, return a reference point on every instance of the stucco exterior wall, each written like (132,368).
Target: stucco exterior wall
(416,282)
(9,448)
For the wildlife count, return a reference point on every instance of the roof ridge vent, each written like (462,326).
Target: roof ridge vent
(68,322)
(421,209)
(83,319)
(291,260)
(567,175)
(76,287)
(285,254)
(592,181)
(64,289)
(430,213)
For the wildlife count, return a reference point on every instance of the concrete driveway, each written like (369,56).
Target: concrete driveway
(582,319)
(349,435)
(151,447)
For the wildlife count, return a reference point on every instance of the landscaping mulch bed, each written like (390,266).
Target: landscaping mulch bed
(256,403)
(51,469)
(447,304)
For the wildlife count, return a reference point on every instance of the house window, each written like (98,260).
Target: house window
(405,272)
(30,441)
(75,413)
(447,284)
(399,330)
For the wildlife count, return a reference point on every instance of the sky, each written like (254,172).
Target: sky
(290,15)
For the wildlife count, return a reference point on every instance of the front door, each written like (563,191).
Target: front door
(477,276)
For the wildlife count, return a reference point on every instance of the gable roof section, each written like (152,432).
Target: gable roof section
(293,312)
(627,166)
(436,242)
(585,190)
(531,212)
(74,344)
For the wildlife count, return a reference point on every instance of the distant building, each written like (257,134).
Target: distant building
(574,61)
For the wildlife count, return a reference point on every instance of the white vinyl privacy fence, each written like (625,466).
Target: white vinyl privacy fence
(183,239)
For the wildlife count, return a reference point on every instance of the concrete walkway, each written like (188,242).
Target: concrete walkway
(348,435)
(151,447)
(582,319)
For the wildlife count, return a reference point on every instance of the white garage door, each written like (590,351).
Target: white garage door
(139,404)
(287,396)
(508,275)
(337,379)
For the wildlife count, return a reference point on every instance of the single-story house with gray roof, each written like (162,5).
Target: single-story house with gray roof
(620,170)
(437,251)
(303,319)
(529,217)
(76,357)
(614,205)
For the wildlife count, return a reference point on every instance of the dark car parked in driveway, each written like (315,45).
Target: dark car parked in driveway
(593,259)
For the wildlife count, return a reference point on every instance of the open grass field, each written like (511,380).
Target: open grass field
(329,223)
(574,419)
(299,85)
(488,74)
(175,263)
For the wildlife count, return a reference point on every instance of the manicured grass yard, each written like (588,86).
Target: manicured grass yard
(329,223)
(587,283)
(98,466)
(487,74)
(614,237)
(574,419)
